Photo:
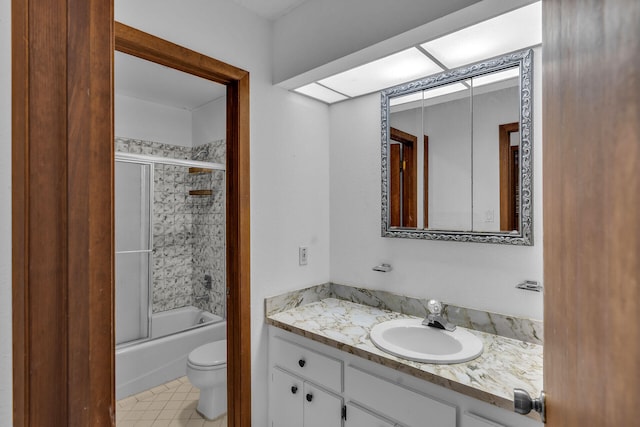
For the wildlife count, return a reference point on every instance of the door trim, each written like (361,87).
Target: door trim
(62,215)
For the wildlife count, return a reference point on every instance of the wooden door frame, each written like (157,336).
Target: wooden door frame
(409,188)
(62,211)
(425,182)
(146,46)
(507,201)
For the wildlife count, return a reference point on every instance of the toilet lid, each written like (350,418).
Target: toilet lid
(211,354)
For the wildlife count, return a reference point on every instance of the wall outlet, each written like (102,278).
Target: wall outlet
(303,255)
(489,215)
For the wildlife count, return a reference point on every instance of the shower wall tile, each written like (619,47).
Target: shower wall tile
(188,231)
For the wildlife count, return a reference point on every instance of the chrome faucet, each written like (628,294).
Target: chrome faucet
(435,319)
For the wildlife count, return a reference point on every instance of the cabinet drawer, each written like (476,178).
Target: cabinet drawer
(396,402)
(323,370)
(473,420)
(360,417)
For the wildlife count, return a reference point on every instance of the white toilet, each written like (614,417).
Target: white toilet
(207,370)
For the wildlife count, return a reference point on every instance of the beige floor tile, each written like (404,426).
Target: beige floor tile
(127,402)
(167,395)
(179,396)
(170,405)
(150,415)
(133,415)
(176,383)
(184,388)
(167,414)
(159,404)
(185,413)
(145,395)
(159,389)
(189,404)
(142,406)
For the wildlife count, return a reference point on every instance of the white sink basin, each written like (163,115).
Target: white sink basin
(409,339)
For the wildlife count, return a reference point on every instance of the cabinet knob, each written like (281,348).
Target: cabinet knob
(302,362)
(309,397)
(294,389)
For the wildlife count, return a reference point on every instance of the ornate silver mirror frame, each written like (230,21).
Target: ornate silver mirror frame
(524,235)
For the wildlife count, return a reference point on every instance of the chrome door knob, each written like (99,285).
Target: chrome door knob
(523,403)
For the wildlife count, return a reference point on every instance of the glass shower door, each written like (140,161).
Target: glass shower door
(133,249)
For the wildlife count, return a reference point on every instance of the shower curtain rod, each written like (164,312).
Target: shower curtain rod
(169,161)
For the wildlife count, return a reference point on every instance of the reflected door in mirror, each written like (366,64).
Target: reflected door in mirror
(402,178)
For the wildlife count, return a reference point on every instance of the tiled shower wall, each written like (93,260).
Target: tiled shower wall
(188,231)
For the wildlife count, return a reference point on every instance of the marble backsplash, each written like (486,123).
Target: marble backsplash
(188,231)
(522,329)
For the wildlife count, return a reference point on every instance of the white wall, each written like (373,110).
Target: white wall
(469,274)
(149,121)
(6,402)
(289,155)
(209,122)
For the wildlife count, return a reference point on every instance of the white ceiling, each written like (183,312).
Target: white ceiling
(145,80)
(137,78)
(270,9)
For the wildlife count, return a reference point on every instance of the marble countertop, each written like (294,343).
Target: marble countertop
(504,365)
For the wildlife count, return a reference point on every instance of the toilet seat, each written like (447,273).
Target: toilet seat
(209,356)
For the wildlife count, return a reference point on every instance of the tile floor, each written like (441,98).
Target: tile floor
(169,405)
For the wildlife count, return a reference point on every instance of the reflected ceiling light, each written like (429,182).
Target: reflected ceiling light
(496,77)
(314,90)
(505,33)
(392,70)
(412,97)
(444,90)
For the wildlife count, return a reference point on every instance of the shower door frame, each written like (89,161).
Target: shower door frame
(62,210)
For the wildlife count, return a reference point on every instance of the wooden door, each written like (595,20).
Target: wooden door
(62,211)
(591,116)
(403,179)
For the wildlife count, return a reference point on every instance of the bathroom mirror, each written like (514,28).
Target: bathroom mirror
(457,154)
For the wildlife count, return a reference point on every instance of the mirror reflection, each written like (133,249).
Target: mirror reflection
(453,149)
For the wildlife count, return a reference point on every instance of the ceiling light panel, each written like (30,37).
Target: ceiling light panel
(321,93)
(505,33)
(392,70)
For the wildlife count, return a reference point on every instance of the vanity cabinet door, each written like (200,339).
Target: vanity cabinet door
(392,400)
(360,417)
(321,408)
(286,399)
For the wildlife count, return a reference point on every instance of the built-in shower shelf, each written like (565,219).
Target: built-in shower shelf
(200,170)
(200,192)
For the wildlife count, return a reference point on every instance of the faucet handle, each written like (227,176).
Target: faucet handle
(434,307)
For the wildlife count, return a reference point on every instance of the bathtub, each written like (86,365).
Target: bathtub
(144,365)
